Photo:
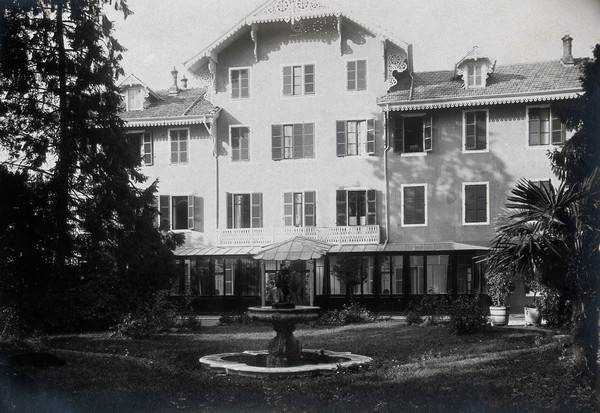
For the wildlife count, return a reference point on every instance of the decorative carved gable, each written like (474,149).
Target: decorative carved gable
(291,11)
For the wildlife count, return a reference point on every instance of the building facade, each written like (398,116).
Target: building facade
(312,138)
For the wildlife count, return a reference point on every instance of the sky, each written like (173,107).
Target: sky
(162,34)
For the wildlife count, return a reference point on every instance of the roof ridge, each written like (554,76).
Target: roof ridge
(185,112)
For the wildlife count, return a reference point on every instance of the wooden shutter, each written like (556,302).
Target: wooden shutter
(427,133)
(309,140)
(481,206)
(235,144)
(361,75)
(257,210)
(481,130)
(371,136)
(470,131)
(341,137)
(277,142)
(475,203)
(229,210)
(199,214)
(558,131)
(309,79)
(165,212)
(148,148)
(371,207)
(288,209)
(399,135)
(287,80)
(341,208)
(244,144)
(351,75)
(190,202)
(310,209)
(297,141)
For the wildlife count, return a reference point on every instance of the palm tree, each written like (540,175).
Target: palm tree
(545,238)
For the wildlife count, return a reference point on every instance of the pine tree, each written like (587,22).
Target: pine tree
(59,124)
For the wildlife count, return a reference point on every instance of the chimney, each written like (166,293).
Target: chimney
(184,82)
(567,57)
(174,89)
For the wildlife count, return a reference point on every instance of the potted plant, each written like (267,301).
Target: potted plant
(500,285)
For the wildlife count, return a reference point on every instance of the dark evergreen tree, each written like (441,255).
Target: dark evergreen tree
(59,125)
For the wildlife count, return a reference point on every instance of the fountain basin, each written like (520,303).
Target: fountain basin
(298,314)
(251,363)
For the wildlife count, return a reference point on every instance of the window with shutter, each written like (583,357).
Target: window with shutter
(294,141)
(240,83)
(355,137)
(298,80)
(244,210)
(356,75)
(356,208)
(147,149)
(413,134)
(179,145)
(299,209)
(198,214)
(475,130)
(240,136)
(414,212)
(544,127)
(475,203)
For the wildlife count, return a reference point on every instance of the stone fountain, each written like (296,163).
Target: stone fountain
(284,355)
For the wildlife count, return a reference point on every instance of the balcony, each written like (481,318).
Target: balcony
(256,237)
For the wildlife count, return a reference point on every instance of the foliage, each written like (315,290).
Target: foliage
(78,247)
(500,286)
(354,313)
(467,314)
(554,308)
(157,316)
(413,317)
(352,270)
(435,307)
(236,320)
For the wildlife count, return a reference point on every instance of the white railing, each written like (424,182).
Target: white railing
(255,237)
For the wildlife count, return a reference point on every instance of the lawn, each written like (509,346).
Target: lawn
(415,369)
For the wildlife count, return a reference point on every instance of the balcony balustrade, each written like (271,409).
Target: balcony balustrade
(256,237)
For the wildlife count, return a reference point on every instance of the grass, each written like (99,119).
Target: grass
(415,369)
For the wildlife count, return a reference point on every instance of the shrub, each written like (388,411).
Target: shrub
(349,314)
(11,325)
(236,320)
(154,318)
(555,309)
(467,315)
(435,307)
(413,317)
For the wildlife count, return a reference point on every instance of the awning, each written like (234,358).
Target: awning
(297,248)
(214,251)
(406,247)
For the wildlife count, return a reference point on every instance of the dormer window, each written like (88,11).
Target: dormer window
(135,99)
(474,69)
(474,78)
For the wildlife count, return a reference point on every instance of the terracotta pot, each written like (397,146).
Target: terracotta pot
(532,316)
(499,316)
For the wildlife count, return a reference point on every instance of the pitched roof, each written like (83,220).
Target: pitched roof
(508,84)
(288,11)
(185,107)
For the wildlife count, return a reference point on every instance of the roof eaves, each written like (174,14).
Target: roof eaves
(438,103)
(172,120)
